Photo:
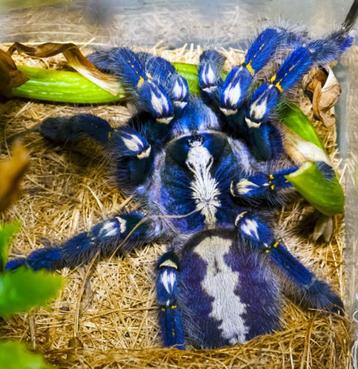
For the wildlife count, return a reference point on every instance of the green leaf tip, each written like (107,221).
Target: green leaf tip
(22,289)
(326,195)
(295,120)
(14,355)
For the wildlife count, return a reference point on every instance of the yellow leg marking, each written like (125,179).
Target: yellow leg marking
(140,82)
(279,87)
(250,69)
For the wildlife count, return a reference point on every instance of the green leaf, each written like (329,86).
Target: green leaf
(190,73)
(23,289)
(14,355)
(6,233)
(326,195)
(294,119)
(62,86)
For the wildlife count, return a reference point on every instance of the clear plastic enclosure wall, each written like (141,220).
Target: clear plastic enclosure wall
(208,23)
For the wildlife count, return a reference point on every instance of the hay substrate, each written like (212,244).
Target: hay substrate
(106,316)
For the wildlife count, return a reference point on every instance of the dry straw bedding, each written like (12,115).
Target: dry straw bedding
(106,316)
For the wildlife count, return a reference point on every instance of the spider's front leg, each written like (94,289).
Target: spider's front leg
(119,234)
(131,149)
(230,93)
(266,97)
(303,286)
(151,81)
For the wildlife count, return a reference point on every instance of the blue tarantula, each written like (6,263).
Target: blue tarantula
(209,170)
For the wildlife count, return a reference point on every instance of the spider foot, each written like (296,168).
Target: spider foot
(319,295)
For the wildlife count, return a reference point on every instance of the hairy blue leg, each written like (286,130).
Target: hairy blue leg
(263,187)
(265,142)
(131,150)
(152,80)
(308,291)
(127,142)
(148,94)
(167,290)
(118,234)
(209,73)
(63,130)
(156,68)
(265,98)
(164,74)
(237,83)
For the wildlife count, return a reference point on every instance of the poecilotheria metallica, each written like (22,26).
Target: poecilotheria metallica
(210,171)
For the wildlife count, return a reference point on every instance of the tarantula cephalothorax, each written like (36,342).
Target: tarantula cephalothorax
(208,170)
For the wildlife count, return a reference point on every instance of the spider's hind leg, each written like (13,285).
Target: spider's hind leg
(299,282)
(119,234)
(167,289)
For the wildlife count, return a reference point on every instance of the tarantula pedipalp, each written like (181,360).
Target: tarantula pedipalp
(208,170)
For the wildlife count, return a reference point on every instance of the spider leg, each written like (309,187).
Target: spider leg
(130,148)
(237,83)
(306,289)
(152,81)
(209,73)
(71,130)
(263,187)
(167,286)
(121,233)
(266,97)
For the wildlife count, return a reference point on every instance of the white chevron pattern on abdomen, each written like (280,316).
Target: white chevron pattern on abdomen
(220,283)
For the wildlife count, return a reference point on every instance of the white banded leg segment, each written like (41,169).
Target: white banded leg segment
(167,289)
(234,89)
(209,73)
(128,142)
(180,92)
(156,101)
(251,187)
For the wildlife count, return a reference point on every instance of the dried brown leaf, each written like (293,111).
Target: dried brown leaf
(11,172)
(325,90)
(74,58)
(10,76)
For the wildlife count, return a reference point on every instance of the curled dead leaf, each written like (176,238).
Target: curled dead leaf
(325,90)
(10,76)
(75,59)
(12,171)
